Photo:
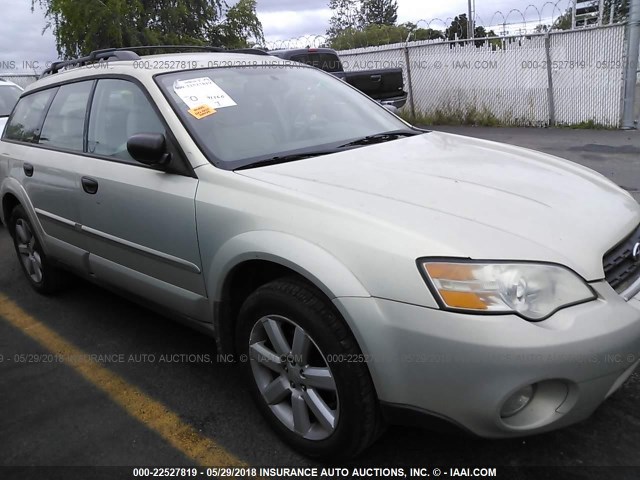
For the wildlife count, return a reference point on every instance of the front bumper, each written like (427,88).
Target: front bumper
(464,367)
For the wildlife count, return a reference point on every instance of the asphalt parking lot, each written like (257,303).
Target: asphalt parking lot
(154,392)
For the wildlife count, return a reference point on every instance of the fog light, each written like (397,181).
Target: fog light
(516,402)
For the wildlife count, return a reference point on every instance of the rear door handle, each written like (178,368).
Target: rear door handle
(89,185)
(28,169)
(376,78)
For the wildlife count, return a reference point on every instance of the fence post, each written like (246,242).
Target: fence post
(631,71)
(550,98)
(412,102)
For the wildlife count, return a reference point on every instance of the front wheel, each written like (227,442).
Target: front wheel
(302,372)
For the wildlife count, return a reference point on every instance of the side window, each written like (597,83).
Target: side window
(118,111)
(64,125)
(24,125)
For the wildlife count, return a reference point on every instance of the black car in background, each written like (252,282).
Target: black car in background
(384,85)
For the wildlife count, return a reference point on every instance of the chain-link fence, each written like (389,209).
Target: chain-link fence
(20,79)
(537,66)
(565,77)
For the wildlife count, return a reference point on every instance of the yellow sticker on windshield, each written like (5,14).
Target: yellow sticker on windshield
(202,111)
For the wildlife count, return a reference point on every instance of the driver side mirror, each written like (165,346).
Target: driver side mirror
(149,149)
(391,108)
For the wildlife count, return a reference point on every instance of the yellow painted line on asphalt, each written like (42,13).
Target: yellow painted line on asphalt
(152,413)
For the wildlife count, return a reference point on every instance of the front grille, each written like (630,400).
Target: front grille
(621,270)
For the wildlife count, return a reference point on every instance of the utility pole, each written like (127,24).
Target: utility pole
(633,51)
(470,26)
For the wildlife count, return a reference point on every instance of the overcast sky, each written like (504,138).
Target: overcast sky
(285,19)
(22,40)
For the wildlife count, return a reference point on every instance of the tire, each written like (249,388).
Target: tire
(37,268)
(302,373)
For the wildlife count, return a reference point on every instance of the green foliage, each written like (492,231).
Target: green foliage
(240,25)
(379,12)
(351,16)
(586,125)
(346,16)
(620,14)
(480,117)
(373,35)
(563,22)
(81,26)
(459,29)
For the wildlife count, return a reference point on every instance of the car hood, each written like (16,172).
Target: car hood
(471,198)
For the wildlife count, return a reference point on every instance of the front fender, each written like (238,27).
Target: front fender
(309,260)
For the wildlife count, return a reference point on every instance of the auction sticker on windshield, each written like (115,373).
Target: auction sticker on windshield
(202,91)
(202,111)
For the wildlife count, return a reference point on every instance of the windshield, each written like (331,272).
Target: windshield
(243,114)
(9,95)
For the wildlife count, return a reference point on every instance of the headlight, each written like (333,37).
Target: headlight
(533,291)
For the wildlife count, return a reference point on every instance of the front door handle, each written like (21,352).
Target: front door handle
(89,185)
(28,169)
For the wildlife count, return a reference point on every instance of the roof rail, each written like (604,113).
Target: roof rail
(250,51)
(204,48)
(95,56)
(128,53)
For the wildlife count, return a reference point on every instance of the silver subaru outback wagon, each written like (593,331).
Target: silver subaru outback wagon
(369,272)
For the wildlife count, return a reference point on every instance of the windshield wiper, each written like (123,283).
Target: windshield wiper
(286,158)
(369,140)
(381,137)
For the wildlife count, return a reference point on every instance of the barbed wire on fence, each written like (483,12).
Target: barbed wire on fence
(550,16)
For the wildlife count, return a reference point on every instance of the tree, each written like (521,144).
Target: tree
(346,16)
(564,21)
(81,26)
(379,12)
(414,33)
(620,10)
(374,35)
(241,24)
(459,30)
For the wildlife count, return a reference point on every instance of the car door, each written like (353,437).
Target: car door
(139,222)
(46,132)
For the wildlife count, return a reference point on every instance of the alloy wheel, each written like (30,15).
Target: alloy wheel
(294,377)
(29,256)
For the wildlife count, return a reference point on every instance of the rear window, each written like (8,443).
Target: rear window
(26,121)
(324,61)
(8,98)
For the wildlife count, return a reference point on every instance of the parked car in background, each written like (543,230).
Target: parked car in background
(9,94)
(363,271)
(384,85)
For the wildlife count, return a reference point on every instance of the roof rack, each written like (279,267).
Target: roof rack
(128,53)
(204,48)
(95,56)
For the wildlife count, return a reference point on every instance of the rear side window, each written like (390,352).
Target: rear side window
(64,125)
(26,121)
(118,111)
